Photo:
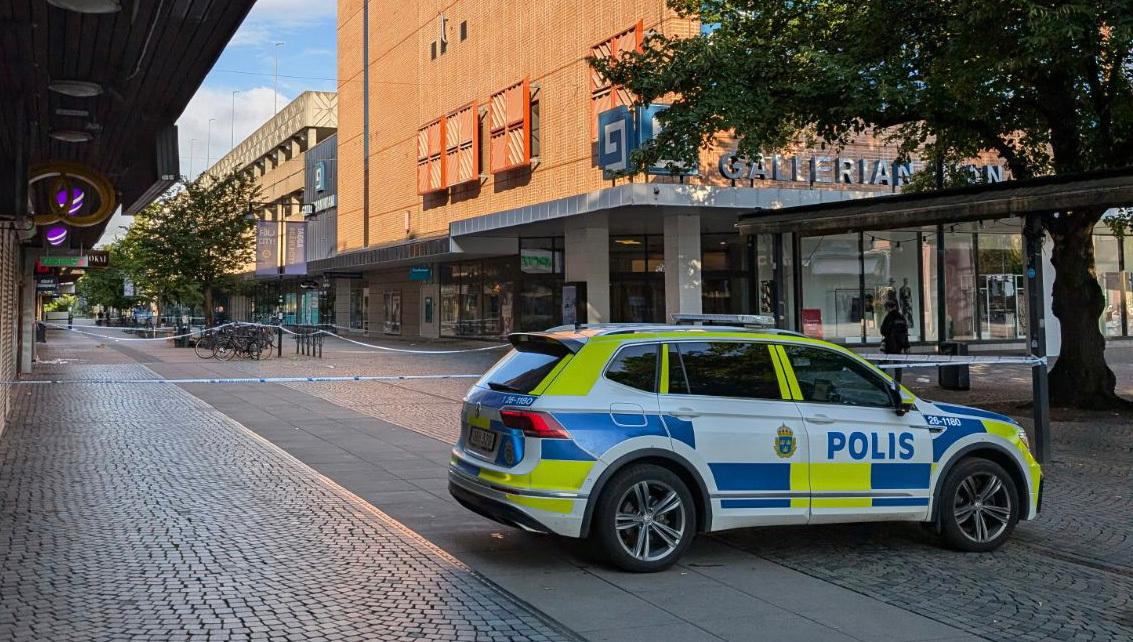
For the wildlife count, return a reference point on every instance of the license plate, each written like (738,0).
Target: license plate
(482,439)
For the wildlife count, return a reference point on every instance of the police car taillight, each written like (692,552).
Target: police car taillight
(534,424)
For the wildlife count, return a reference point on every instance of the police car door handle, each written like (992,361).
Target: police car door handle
(819,419)
(686,413)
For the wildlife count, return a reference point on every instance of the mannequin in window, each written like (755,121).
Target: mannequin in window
(905,294)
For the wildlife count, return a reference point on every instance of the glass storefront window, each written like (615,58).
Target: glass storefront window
(833,307)
(724,274)
(637,278)
(1002,287)
(539,298)
(476,298)
(1107,266)
(391,301)
(891,274)
(359,306)
(960,285)
(1127,282)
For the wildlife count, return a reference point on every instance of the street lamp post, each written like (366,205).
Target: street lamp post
(192,156)
(275,84)
(208,146)
(232,123)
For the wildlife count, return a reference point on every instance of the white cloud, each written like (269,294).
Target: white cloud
(254,107)
(271,18)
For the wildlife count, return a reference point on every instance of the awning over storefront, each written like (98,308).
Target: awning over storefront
(978,202)
(658,195)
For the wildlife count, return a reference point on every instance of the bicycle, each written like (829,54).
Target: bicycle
(205,345)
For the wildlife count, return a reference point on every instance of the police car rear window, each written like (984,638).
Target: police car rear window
(523,369)
(636,367)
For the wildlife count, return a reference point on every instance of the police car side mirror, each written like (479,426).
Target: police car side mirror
(899,404)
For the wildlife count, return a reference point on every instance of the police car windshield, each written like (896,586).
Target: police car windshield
(521,370)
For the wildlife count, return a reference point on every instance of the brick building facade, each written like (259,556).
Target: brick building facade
(472,198)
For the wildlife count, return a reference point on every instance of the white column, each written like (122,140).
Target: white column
(682,265)
(587,241)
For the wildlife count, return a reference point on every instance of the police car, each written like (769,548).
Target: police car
(640,437)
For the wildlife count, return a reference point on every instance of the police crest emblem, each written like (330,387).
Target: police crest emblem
(785,443)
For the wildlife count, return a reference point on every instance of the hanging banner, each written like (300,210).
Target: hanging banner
(295,257)
(267,248)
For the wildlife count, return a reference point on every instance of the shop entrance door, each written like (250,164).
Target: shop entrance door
(637,299)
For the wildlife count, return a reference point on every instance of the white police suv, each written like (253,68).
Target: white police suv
(639,437)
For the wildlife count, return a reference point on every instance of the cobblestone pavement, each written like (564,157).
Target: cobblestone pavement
(1066,576)
(139,512)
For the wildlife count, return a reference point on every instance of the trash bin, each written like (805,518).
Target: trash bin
(182,340)
(41,332)
(954,377)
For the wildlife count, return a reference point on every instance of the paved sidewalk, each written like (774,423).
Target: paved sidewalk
(717,593)
(1068,575)
(139,512)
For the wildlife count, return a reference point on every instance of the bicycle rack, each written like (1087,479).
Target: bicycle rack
(309,341)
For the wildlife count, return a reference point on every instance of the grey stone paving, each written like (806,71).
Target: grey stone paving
(138,512)
(1068,575)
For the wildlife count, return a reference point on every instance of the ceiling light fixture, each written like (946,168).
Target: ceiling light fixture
(72,136)
(88,6)
(75,88)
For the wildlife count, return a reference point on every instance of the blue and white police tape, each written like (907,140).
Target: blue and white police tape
(198,333)
(894,361)
(195,333)
(386,348)
(241,380)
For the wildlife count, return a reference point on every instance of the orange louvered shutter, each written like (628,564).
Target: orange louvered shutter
(430,157)
(462,145)
(509,116)
(603,95)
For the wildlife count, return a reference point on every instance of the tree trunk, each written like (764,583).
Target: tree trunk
(208,305)
(1080,377)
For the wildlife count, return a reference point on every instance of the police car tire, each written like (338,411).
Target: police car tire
(951,530)
(604,534)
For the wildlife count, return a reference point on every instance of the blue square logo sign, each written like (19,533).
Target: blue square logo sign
(617,138)
(320,176)
(648,126)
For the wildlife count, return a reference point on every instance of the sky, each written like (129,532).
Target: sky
(307,61)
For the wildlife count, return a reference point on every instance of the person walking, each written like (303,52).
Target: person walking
(894,333)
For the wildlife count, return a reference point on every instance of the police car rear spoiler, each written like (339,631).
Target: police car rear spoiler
(547,342)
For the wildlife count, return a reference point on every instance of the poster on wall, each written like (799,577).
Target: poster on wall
(570,305)
(295,255)
(812,322)
(267,248)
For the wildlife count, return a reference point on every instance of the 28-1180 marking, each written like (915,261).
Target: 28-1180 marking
(937,420)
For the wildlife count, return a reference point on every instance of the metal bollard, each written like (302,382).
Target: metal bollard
(279,341)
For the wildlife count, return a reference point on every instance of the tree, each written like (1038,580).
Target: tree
(195,240)
(104,286)
(1046,84)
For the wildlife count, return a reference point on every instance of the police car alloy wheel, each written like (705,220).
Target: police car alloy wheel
(980,506)
(645,519)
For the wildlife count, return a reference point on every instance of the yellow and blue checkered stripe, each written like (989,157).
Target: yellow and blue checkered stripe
(831,478)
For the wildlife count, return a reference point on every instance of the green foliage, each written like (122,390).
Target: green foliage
(194,240)
(1046,84)
(104,286)
(60,303)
